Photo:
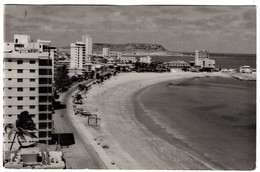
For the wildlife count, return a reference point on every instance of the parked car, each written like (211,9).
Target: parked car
(245,69)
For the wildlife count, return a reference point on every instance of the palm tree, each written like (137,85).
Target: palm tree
(22,126)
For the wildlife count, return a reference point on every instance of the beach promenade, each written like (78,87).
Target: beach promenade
(120,140)
(81,155)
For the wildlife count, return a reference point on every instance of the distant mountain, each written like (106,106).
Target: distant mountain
(128,48)
(131,47)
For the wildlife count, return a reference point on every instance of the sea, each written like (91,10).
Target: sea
(222,60)
(211,118)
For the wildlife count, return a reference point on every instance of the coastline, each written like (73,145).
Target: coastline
(130,144)
(200,124)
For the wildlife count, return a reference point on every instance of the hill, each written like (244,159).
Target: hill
(131,47)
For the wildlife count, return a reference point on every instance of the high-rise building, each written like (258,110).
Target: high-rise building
(87,39)
(27,86)
(106,52)
(202,59)
(80,54)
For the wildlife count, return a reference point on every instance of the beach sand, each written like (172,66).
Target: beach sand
(120,139)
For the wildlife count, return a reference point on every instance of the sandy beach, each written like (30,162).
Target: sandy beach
(120,140)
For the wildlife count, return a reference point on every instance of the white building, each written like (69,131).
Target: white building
(145,59)
(106,52)
(128,59)
(202,59)
(119,55)
(27,86)
(80,54)
(177,64)
(87,39)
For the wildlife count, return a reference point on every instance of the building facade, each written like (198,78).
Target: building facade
(178,64)
(87,39)
(202,60)
(80,55)
(126,59)
(147,59)
(106,52)
(27,86)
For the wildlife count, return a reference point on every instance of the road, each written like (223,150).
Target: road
(81,155)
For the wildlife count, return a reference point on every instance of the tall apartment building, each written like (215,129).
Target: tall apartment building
(80,55)
(202,59)
(87,39)
(27,82)
(106,52)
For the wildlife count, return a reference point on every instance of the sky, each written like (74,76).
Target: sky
(219,29)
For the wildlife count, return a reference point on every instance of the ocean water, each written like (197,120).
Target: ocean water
(222,61)
(214,118)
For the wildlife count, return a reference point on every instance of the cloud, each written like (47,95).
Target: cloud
(250,19)
(167,25)
(209,9)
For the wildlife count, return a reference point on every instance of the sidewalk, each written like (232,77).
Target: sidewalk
(81,155)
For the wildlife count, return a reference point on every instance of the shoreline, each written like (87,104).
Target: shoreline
(130,144)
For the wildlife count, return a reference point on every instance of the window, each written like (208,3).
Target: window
(32,98)
(32,115)
(45,89)
(9,97)
(9,115)
(19,98)
(19,70)
(19,45)
(45,98)
(16,40)
(43,116)
(32,61)
(19,62)
(45,62)
(42,125)
(32,71)
(9,60)
(32,107)
(45,48)
(49,125)
(9,88)
(9,106)
(45,72)
(45,107)
(9,69)
(32,89)
(19,107)
(10,79)
(19,80)
(45,80)
(20,89)
(32,80)
(42,134)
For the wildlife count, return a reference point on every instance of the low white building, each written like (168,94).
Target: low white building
(128,59)
(202,60)
(178,64)
(147,59)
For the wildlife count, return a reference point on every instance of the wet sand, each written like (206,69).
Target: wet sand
(121,138)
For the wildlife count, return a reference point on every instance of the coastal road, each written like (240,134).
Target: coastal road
(81,155)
